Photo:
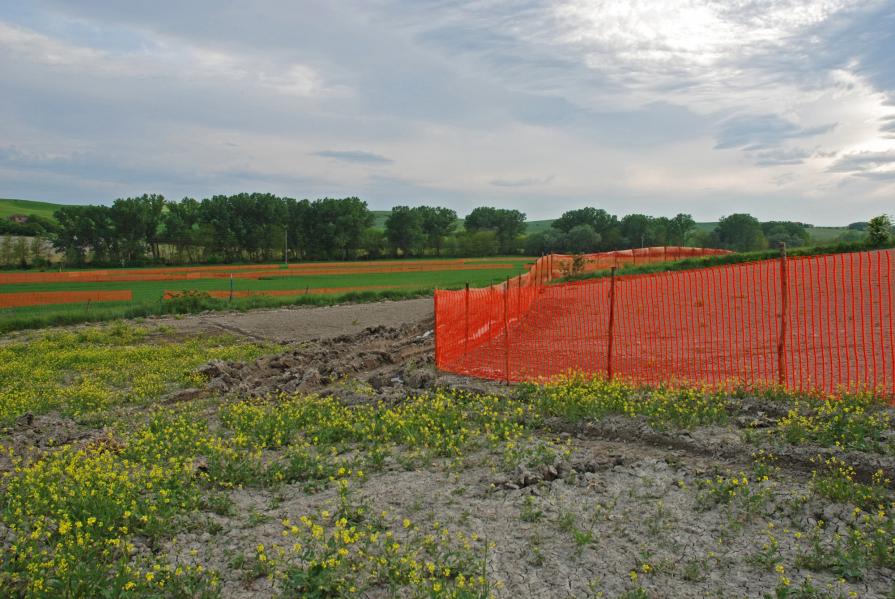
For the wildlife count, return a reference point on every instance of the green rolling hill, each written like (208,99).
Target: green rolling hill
(9,207)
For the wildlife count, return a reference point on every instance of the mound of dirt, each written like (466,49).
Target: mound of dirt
(379,360)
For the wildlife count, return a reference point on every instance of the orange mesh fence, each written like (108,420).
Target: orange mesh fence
(619,258)
(37,298)
(223,293)
(239,272)
(821,323)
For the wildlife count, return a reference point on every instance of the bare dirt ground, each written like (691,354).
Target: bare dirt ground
(625,500)
(621,515)
(300,323)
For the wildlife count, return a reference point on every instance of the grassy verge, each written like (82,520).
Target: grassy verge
(739,258)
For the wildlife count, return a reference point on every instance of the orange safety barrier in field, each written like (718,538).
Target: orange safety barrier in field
(256,272)
(820,323)
(219,293)
(38,298)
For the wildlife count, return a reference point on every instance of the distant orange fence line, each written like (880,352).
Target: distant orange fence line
(179,274)
(169,294)
(820,323)
(37,298)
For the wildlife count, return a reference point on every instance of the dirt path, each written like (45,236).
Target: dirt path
(302,323)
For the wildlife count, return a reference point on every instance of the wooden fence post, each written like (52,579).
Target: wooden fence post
(506,329)
(611,324)
(784,316)
(231,288)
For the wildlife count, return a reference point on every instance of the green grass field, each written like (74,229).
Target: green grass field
(148,294)
(9,207)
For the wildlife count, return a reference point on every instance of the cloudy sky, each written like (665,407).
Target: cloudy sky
(781,108)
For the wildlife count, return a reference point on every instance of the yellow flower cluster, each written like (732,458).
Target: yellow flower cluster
(850,422)
(836,480)
(85,372)
(72,516)
(327,554)
(576,396)
(444,422)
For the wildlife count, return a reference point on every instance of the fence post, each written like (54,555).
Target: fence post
(231,287)
(435,328)
(611,324)
(506,329)
(466,344)
(784,316)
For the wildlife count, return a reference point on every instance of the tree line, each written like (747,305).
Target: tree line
(263,227)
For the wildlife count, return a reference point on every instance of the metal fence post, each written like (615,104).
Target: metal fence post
(784,316)
(435,328)
(231,287)
(611,324)
(466,344)
(506,329)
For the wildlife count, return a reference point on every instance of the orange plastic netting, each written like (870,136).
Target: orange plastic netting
(37,298)
(244,272)
(169,294)
(831,330)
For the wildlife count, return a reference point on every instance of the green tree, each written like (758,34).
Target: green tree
(437,223)
(20,252)
(298,217)
(181,228)
(679,229)
(337,227)
(6,258)
(130,220)
(879,230)
(477,243)
(404,230)
(597,218)
(545,242)
(790,233)
(374,243)
(582,239)
(637,230)
(740,232)
(507,225)
(38,253)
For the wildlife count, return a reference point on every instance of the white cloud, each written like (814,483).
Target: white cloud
(163,57)
(633,105)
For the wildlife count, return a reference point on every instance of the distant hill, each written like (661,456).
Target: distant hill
(26,207)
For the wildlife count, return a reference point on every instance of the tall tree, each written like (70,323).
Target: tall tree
(404,230)
(437,224)
(740,232)
(679,229)
(507,225)
(181,227)
(637,230)
(790,233)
